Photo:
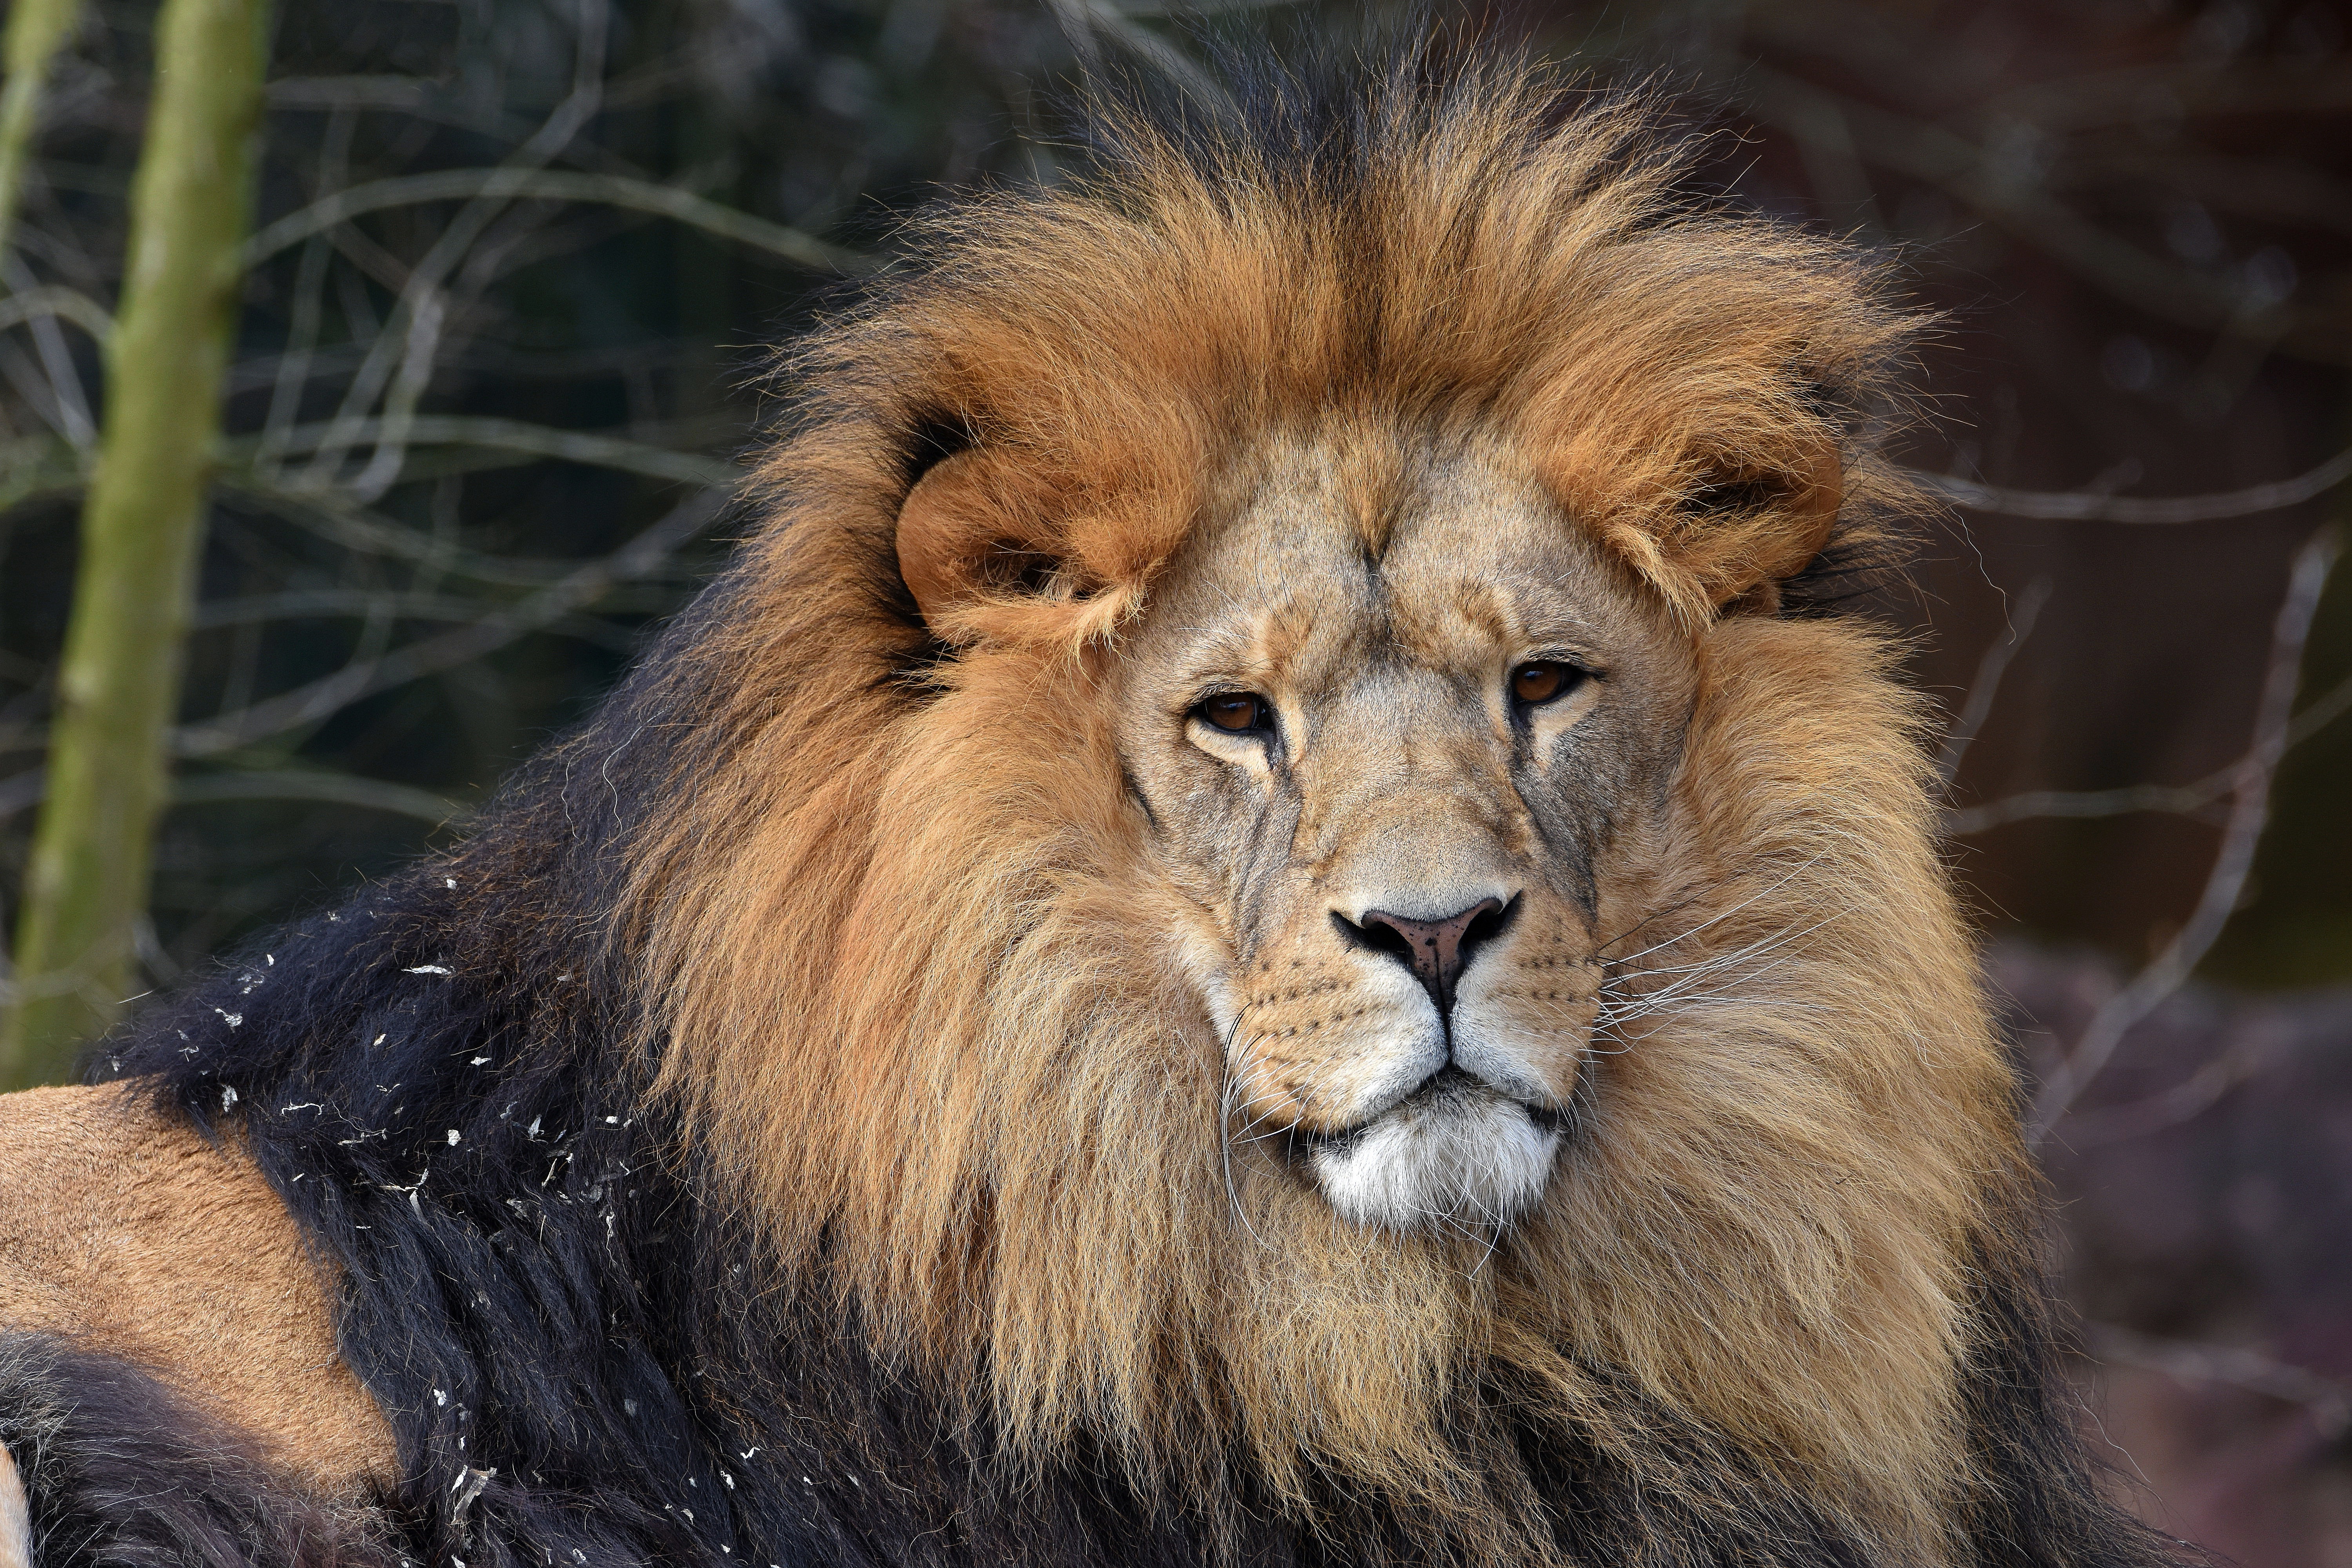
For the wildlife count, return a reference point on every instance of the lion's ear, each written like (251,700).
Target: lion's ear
(967,534)
(980,551)
(1741,531)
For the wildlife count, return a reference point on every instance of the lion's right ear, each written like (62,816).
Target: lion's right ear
(980,550)
(933,529)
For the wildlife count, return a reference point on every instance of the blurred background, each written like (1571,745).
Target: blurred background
(507,294)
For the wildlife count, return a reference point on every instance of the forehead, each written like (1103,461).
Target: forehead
(1356,549)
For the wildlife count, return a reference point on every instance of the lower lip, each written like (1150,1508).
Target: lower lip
(1549,1120)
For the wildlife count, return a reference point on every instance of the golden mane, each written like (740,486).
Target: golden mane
(911,958)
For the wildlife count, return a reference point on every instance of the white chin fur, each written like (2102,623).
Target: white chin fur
(1466,1159)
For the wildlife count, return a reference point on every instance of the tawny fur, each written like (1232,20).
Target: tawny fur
(913,959)
(127,1232)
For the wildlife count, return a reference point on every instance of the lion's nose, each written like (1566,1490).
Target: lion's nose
(1436,951)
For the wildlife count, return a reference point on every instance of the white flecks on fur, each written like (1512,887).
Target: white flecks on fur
(429,969)
(455,1137)
(466,1488)
(228,1096)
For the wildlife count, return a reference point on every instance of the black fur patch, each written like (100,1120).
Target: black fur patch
(121,1473)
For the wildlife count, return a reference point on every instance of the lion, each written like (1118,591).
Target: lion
(1271,916)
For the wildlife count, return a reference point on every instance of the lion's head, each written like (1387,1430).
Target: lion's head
(1263,871)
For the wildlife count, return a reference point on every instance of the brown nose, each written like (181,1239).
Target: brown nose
(1437,951)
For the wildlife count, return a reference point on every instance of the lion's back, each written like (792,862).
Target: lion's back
(122,1231)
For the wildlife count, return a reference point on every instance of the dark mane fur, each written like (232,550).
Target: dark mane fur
(449,1081)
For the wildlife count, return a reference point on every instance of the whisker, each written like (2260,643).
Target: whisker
(1236,1067)
(1702,925)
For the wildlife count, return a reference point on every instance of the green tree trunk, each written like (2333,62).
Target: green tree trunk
(118,688)
(36,29)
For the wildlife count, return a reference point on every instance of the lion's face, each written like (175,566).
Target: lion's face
(1386,716)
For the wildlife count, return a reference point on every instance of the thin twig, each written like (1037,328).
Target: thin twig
(2329,1402)
(305,784)
(1991,668)
(76,423)
(2089,506)
(413,331)
(2200,1091)
(2185,799)
(56,300)
(558,185)
(506,434)
(2249,809)
(1979,176)
(317,699)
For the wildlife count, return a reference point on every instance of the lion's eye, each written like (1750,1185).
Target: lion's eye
(1238,711)
(1541,680)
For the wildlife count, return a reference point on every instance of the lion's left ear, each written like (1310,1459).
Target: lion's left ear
(1740,533)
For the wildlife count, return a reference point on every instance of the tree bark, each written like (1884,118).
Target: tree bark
(119,681)
(36,30)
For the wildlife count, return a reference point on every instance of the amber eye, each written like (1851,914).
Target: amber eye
(1238,711)
(1541,680)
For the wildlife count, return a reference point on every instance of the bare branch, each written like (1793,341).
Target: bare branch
(2186,799)
(56,300)
(334,789)
(509,436)
(2086,506)
(1991,668)
(2329,1402)
(2014,198)
(74,422)
(558,185)
(1082,18)
(2239,1060)
(2249,809)
(421,302)
(308,704)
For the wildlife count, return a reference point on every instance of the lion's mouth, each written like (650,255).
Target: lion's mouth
(1448,1083)
(1454,1150)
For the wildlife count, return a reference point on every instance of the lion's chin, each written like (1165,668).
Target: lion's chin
(1461,1156)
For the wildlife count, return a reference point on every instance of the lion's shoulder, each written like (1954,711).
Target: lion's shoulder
(124,1230)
